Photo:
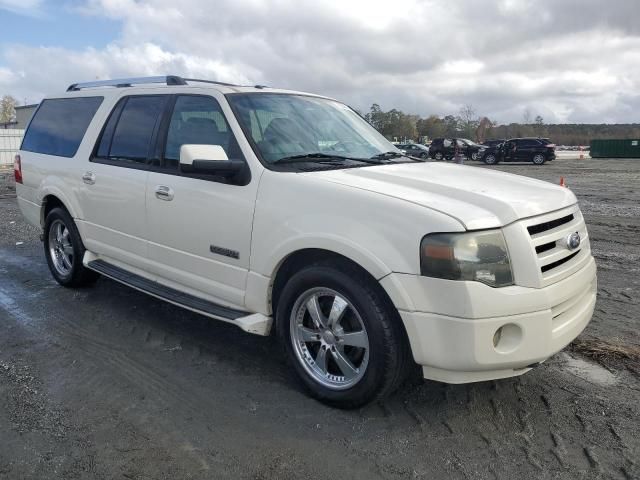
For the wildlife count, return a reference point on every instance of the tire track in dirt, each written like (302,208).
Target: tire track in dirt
(101,362)
(102,356)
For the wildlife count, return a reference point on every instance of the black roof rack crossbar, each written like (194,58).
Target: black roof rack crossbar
(127,82)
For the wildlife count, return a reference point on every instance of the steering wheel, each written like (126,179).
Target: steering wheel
(342,146)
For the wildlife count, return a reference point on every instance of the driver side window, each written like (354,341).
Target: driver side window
(198,120)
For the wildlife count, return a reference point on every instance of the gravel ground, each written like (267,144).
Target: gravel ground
(7,185)
(109,383)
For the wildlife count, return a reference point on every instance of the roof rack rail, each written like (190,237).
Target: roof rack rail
(127,82)
(209,81)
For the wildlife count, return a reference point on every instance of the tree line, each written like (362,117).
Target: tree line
(397,125)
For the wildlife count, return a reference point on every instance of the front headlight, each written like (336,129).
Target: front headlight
(475,256)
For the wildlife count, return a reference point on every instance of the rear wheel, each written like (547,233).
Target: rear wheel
(490,159)
(64,250)
(538,159)
(344,341)
(438,156)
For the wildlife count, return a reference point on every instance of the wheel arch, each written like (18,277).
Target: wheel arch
(298,259)
(49,202)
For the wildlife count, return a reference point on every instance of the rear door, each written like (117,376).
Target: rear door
(114,183)
(54,151)
(526,149)
(199,226)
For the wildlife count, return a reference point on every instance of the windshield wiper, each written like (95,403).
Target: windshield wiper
(304,157)
(322,157)
(385,155)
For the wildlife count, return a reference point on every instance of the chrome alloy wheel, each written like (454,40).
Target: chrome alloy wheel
(329,338)
(60,247)
(538,159)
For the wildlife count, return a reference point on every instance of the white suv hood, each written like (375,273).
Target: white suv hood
(477,197)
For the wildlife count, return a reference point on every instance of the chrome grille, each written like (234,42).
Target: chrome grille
(548,234)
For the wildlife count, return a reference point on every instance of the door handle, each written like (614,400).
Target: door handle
(89,178)
(164,193)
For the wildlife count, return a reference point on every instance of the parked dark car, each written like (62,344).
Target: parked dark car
(415,150)
(472,149)
(494,142)
(534,150)
(444,148)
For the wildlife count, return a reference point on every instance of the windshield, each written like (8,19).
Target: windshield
(288,125)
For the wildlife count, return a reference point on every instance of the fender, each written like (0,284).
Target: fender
(53,185)
(258,291)
(332,243)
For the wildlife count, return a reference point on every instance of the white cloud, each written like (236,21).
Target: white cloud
(25,7)
(567,60)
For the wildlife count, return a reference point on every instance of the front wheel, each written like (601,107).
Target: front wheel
(344,341)
(474,156)
(538,159)
(438,156)
(64,250)
(490,159)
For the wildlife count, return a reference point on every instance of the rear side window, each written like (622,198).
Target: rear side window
(131,128)
(59,125)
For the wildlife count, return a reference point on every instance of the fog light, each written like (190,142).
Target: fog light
(507,338)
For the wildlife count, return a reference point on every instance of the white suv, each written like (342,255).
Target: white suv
(274,209)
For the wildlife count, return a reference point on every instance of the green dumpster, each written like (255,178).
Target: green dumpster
(628,148)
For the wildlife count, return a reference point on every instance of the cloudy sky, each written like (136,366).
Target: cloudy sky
(567,60)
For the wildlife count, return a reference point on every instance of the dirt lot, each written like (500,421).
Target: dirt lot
(109,383)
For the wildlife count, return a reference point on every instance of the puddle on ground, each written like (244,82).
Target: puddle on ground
(589,371)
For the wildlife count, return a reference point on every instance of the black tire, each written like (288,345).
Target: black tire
(474,156)
(490,159)
(424,155)
(77,275)
(438,156)
(389,353)
(538,159)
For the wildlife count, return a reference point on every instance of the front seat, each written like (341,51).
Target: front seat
(284,137)
(204,131)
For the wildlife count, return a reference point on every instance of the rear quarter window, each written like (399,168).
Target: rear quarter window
(59,125)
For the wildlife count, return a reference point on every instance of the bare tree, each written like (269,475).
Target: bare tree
(7,109)
(526,116)
(468,120)
(539,125)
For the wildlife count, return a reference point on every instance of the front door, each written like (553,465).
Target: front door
(199,227)
(510,151)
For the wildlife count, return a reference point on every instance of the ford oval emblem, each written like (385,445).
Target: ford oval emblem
(573,241)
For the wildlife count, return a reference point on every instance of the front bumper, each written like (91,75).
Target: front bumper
(452,325)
